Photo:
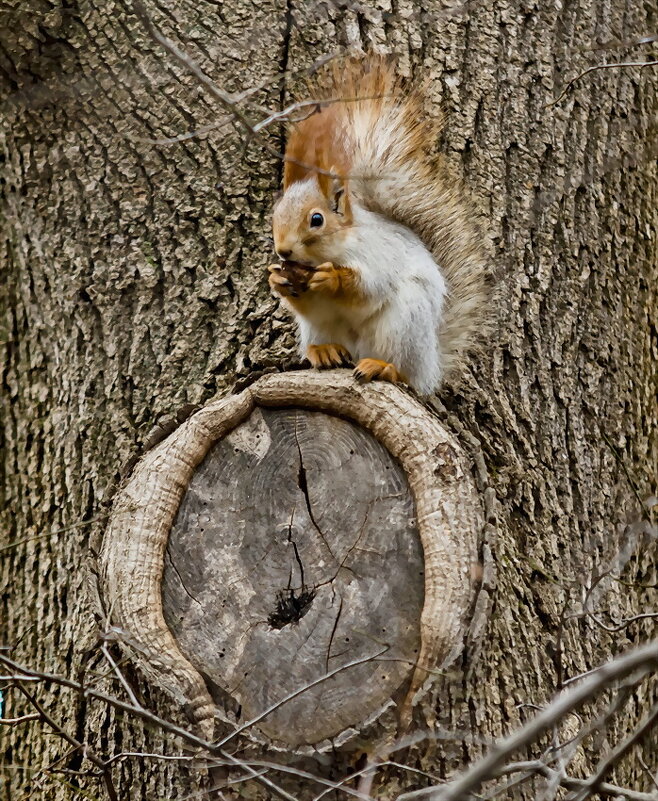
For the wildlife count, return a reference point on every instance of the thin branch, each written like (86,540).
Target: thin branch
(228,783)
(119,675)
(172,140)
(61,732)
(591,785)
(21,719)
(617,45)
(537,767)
(146,755)
(620,459)
(295,693)
(43,715)
(24,674)
(230,102)
(79,524)
(647,770)
(640,661)
(261,778)
(302,774)
(225,99)
(596,67)
(618,625)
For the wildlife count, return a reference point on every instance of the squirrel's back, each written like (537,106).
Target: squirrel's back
(373,129)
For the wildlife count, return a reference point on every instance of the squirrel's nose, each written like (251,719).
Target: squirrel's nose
(283,254)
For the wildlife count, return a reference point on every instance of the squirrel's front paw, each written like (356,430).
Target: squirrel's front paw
(328,356)
(325,278)
(369,369)
(289,279)
(280,283)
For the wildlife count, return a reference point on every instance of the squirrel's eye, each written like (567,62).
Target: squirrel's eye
(316,220)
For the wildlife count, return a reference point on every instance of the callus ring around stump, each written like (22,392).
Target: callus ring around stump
(302,547)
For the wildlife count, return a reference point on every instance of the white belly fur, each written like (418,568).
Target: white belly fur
(400,318)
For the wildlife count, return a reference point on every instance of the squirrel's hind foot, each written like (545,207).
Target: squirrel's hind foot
(370,369)
(325,356)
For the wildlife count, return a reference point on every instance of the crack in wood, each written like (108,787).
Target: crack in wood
(333,632)
(180,578)
(297,557)
(291,607)
(303,486)
(352,494)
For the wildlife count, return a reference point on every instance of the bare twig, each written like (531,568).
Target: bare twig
(228,783)
(616,65)
(617,625)
(21,719)
(537,767)
(146,755)
(302,774)
(592,784)
(620,459)
(639,661)
(25,674)
(225,99)
(295,693)
(261,778)
(61,732)
(647,770)
(230,102)
(119,675)
(79,524)
(617,45)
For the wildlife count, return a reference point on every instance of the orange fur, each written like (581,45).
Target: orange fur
(328,356)
(370,143)
(369,369)
(323,142)
(339,282)
(316,147)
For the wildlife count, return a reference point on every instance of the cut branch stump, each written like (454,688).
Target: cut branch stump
(302,555)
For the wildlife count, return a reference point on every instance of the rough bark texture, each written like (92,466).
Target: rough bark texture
(132,278)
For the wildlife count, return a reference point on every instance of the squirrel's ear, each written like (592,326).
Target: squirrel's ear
(339,187)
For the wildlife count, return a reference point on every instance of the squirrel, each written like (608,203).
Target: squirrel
(382,260)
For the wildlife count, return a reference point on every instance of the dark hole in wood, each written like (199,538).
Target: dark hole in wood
(290,607)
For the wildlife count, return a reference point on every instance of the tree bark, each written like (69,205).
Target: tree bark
(134,282)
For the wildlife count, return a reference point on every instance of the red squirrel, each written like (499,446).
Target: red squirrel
(382,262)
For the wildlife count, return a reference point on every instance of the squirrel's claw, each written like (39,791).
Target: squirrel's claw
(282,286)
(369,369)
(325,356)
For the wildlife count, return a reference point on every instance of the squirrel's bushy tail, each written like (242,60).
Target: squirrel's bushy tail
(376,131)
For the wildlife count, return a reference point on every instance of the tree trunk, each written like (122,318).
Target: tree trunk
(134,282)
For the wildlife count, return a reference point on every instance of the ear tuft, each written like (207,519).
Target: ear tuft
(337,193)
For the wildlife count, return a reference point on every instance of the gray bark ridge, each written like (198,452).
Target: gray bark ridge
(449,515)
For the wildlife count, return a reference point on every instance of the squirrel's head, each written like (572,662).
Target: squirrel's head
(311,220)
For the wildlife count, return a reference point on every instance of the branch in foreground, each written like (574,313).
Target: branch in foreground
(568,782)
(25,674)
(639,661)
(636,663)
